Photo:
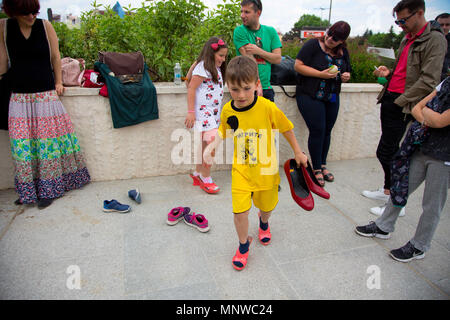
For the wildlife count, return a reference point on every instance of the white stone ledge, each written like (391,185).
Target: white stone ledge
(170,88)
(145,149)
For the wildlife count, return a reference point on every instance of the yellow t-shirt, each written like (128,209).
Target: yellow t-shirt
(255,161)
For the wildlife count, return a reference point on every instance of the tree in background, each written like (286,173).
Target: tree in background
(165,32)
(306,20)
(385,40)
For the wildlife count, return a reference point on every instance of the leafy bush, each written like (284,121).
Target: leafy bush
(361,61)
(173,31)
(291,47)
(165,32)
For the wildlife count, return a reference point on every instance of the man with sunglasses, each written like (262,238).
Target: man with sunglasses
(258,41)
(417,71)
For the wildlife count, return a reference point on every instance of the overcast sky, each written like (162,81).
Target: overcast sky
(282,14)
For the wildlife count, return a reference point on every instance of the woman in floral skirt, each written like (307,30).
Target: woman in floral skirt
(45,150)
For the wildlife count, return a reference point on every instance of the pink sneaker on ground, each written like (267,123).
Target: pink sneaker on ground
(197,221)
(176,214)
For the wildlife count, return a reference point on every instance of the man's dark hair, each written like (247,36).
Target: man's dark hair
(442,16)
(257,4)
(411,5)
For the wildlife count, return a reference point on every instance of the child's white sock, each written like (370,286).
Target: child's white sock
(206,179)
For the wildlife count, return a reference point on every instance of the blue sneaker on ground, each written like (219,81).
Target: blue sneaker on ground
(115,206)
(135,195)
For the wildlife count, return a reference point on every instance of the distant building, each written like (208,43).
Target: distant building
(312,32)
(70,20)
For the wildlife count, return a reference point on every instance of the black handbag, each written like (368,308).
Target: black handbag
(283,74)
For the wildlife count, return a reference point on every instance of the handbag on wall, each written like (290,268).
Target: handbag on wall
(131,63)
(72,71)
(284,74)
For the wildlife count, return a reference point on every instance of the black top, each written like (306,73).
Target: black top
(31,69)
(312,55)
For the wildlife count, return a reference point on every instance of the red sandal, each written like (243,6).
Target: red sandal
(207,187)
(264,234)
(196,180)
(242,258)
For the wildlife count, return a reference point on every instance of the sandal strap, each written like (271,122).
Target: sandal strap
(264,234)
(211,186)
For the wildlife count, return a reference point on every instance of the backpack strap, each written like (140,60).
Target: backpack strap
(284,90)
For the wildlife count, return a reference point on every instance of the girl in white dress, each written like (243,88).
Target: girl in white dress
(205,93)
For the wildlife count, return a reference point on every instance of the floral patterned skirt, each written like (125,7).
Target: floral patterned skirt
(45,150)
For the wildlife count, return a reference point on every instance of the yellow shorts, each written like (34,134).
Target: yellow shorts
(265,200)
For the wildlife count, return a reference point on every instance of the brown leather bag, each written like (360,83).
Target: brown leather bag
(123,63)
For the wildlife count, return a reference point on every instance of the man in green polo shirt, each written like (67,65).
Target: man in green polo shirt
(258,41)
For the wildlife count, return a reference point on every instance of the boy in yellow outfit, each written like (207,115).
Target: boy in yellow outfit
(252,121)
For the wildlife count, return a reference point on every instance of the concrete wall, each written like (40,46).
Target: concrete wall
(145,149)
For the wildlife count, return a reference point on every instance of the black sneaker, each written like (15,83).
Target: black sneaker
(371,230)
(407,253)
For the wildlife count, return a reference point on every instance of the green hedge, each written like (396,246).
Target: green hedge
(165,32)
(173,31)
(361,61)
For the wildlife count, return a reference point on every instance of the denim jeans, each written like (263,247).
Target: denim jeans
(269,94)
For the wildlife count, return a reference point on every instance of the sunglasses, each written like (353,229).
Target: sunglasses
(403,21)
(28,13)
(335,39)
(257,3)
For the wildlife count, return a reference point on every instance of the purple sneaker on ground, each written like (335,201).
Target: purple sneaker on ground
(176,214)
(197,221)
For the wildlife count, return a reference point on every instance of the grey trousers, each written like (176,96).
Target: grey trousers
(436,174)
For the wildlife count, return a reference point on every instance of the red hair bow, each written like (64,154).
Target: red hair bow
(215,46)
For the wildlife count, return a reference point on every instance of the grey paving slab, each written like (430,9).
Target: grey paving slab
(344,275)
(313,255)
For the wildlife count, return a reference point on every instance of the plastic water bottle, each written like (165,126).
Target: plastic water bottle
(177,74)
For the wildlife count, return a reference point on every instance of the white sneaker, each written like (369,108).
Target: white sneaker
(378,211)
(376,195)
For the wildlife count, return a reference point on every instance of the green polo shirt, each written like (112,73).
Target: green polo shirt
(269,41)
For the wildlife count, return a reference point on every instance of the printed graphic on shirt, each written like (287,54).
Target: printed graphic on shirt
(258,58)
